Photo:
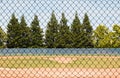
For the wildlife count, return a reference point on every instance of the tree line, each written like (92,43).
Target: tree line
(58,35)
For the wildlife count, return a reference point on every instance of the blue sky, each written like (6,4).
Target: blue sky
(100,11)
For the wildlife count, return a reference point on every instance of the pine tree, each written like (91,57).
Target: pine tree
(36,34)
(2,38)
(64,35)
(51,32)
(24,34)
(76,32)
(87,33)
(12,32)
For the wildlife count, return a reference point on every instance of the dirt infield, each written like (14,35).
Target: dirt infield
(59,73)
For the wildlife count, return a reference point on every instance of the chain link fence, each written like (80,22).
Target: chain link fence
(59,39)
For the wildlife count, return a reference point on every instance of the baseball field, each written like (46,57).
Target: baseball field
(60,66)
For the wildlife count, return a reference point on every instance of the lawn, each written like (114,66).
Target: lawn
(60,61)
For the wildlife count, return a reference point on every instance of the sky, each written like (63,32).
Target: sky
(105,12)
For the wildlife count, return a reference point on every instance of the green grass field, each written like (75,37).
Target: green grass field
(80,62)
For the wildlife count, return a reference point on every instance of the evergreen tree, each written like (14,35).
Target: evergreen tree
(36,34)
(23,34)
(76,32)
(51,32)
(64,35)
(2,38)
(87,33)
(12,32)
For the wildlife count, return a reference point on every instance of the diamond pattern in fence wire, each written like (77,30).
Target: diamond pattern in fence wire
(59,39)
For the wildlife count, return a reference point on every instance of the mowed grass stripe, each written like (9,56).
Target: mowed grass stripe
(43,62)
(26,63)
(97,63)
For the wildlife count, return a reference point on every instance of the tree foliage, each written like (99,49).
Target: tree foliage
(116,36)
(12,32)
(64,34)
(58,35)
(2,38)
(104,38)
(23,34)
(87,32)
(51,32)
(77,33)
(36,40)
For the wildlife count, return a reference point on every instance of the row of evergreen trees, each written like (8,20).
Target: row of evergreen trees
(58,35)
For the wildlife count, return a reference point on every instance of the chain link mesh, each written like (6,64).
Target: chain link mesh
(59,39)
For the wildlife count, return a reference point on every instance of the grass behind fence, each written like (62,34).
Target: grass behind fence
(80,62)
